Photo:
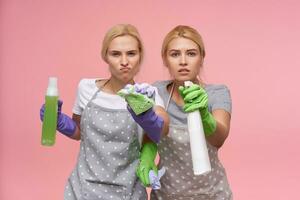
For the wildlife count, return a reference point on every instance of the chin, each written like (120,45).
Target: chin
(126,79)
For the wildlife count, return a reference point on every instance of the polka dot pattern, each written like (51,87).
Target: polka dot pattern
(108,157)
(179,181)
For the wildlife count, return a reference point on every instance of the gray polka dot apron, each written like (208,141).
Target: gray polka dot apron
(179,181)
(108,157)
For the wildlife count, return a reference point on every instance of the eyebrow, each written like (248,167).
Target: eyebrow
(133,50)
(192,50)
(186,50)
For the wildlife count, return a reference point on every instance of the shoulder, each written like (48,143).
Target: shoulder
(217,89)
(86,88)
(85,84)
(160,85)
(219,97)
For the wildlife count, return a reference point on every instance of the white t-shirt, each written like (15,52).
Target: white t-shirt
(86,90)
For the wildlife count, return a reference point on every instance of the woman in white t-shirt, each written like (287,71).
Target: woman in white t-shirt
(107,127)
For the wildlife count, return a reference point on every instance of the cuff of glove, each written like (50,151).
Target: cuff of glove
(151,123)
(66,125)
(209,124)
(149,151)
(154,132)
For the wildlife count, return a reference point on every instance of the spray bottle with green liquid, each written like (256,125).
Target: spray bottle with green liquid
(50,115)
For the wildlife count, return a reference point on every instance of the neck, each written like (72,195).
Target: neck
(113,85)
(181,83)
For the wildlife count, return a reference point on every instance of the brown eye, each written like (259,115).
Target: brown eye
(115,53)
(132,53)
(191,54)
(174,54)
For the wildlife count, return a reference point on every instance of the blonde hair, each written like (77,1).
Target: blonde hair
(121,30)
(184,32)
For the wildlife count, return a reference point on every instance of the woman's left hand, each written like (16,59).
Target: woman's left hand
(194,97)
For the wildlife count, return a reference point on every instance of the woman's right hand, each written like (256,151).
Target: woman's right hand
(65,124)
(196,98)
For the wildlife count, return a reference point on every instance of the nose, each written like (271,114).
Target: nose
(124,61)
(183,61)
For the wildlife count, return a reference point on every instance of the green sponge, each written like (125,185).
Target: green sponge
(139,103)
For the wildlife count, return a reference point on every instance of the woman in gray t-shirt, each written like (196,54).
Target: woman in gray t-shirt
(183,53)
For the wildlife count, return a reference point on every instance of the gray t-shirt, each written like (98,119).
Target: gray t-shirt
(218,98)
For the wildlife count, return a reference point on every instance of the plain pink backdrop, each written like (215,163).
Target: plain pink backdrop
(252,47)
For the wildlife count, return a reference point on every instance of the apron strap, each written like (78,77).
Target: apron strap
(98,90)
(170,96)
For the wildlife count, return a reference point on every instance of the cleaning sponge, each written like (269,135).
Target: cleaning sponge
(139,103)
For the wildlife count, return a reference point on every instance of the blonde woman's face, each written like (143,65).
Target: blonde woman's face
(183,59)
(123,57)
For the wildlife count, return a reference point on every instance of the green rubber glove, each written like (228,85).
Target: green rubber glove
(147,162)
(195,98)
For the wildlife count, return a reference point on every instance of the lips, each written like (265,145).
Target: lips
(125,69)
(183,70)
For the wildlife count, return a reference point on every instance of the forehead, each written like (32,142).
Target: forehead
(182,44)
(123,43)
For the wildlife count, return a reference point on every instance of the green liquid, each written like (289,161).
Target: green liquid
(50,121)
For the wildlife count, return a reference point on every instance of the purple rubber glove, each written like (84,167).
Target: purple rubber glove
(150,122)
(65,124)
(146,89)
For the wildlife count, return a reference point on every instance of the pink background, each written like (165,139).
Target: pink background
(252,46)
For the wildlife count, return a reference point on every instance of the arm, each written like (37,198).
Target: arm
(76,135)
(149,150)
(160,111)
(153,119)
(216,125)
(147,160)
(222,118)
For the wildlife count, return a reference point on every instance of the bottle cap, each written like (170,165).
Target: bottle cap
(188,83)
(52,87)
